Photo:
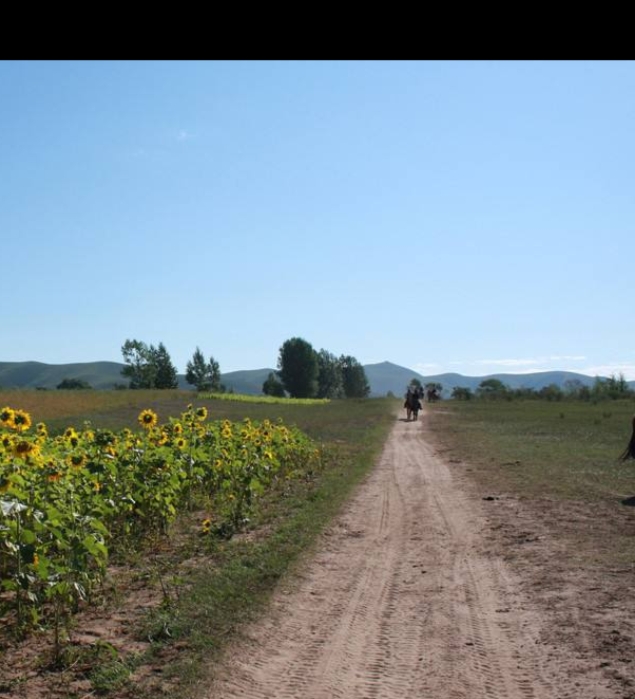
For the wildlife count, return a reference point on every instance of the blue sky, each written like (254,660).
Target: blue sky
(475,217)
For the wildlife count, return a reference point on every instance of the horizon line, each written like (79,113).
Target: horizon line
(385,361)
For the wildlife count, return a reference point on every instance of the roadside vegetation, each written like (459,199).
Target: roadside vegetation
(271,399)
(206,545)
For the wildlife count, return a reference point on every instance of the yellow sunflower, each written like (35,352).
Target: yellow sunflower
(6,416)
(163,438)
(147,419)
(21,420)
(71,436)
(23,449)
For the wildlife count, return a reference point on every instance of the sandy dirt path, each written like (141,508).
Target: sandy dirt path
(404,598)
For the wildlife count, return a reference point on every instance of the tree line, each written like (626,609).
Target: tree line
(612,388)
(147,366)
(302,371)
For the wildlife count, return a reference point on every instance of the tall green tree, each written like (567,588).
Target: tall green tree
(330,384)
(138,369)
(273,386)
(165,371)
(205,375)
(147,366)
(298,368)
(354,380)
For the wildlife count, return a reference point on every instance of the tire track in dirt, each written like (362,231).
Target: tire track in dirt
(402,600)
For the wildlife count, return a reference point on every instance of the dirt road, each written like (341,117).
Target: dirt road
(405,597)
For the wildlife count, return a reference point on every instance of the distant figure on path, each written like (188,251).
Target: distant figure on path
(412,404)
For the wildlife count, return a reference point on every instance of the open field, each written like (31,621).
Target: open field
(172,604)
(553,503)
(564,449)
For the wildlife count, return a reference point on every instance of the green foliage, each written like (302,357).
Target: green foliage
(165,371)
(148,366)
(492,388)
(330,379)
(109,676)
(264,399)
(462,393)
(138,368)
(614,388)
(298,368)
(354,378)
(551,392)
(67,502)
(73,385)
(203,374)
(273,387)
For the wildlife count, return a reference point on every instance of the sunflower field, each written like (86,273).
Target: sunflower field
(67,502)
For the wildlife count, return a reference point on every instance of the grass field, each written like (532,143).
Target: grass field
(540,448)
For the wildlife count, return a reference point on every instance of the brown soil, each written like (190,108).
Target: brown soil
(426,586)
(106,633)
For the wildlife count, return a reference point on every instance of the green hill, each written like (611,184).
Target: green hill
(384,377)
(107,375)
(100,375)
(249,381)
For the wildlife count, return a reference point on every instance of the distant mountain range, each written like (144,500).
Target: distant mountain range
(383,378)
